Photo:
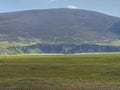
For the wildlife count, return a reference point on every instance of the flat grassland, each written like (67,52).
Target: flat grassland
(60,72)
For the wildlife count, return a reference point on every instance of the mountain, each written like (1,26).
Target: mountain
(57,26)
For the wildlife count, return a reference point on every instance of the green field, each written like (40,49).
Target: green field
(60,72)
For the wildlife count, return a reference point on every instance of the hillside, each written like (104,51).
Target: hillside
(57,26)
(63,49)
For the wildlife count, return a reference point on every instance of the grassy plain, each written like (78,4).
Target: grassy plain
(60,72)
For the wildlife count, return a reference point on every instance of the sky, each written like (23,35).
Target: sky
(111,7)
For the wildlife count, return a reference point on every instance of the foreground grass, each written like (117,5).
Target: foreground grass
(60,72)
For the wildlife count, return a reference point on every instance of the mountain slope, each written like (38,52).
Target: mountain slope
(57,26)
(63,49)
(22,29)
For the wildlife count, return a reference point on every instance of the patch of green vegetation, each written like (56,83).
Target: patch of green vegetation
(27,41)
(34,51)
(110,43)
(115,43)
(62,70)
(4,45)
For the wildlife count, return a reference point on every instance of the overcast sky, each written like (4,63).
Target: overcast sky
(111,7)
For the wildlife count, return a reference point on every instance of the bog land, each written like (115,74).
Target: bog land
(60,72)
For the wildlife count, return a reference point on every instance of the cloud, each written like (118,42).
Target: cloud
(52,0)
(72,6)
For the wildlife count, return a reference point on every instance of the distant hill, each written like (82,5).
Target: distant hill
(57,26)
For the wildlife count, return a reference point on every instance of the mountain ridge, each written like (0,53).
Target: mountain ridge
(28,10)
